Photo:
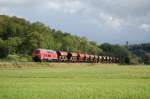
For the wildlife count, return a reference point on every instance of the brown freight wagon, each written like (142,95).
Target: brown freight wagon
(62,56)
(81,57)
(86,58)
(72,56)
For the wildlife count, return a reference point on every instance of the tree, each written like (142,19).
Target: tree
(131,59)
(3,49)
(13,44)
(125,56)
(147,58)
(33,41)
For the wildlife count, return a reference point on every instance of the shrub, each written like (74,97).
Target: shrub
(131,59)
(17,58)
(3,52)
(147,59)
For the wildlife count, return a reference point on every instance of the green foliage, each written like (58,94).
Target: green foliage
(12,44)
(33,41)
(125,56)
(131,59)
(21,37)
(16,58)
(3,49)
(147,58)
(140,49)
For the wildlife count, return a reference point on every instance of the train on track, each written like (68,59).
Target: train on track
(43,55)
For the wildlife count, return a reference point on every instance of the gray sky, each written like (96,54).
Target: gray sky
(113,21)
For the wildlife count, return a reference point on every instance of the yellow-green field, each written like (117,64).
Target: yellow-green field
(74,81)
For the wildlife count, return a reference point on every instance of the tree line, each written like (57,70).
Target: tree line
(20,37)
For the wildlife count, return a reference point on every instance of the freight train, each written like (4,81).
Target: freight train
(43,55)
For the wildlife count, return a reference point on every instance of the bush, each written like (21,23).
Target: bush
(147,59)
(17,58)
(3,52)
(135,61)
(3,49)
(131,59)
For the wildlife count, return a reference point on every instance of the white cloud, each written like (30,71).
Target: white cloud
(54,5)
(112,21)
(69,6)
(145,27)
(101,16)
(12,2)
(6,11)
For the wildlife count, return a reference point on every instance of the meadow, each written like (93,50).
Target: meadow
(74,81)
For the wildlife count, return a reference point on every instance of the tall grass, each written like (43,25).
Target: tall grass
(74,81)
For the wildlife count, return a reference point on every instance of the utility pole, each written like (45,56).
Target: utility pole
(127,44)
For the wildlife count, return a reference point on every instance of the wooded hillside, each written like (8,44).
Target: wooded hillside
(20,37)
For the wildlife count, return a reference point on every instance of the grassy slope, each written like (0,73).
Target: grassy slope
(75,81)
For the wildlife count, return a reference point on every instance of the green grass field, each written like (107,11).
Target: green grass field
(74,81)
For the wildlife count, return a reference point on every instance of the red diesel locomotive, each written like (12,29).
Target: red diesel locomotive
(42,55)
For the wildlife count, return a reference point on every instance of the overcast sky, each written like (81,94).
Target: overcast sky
(113,21)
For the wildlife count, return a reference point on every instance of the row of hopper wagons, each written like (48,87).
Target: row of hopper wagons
(43,55)
(81,57)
